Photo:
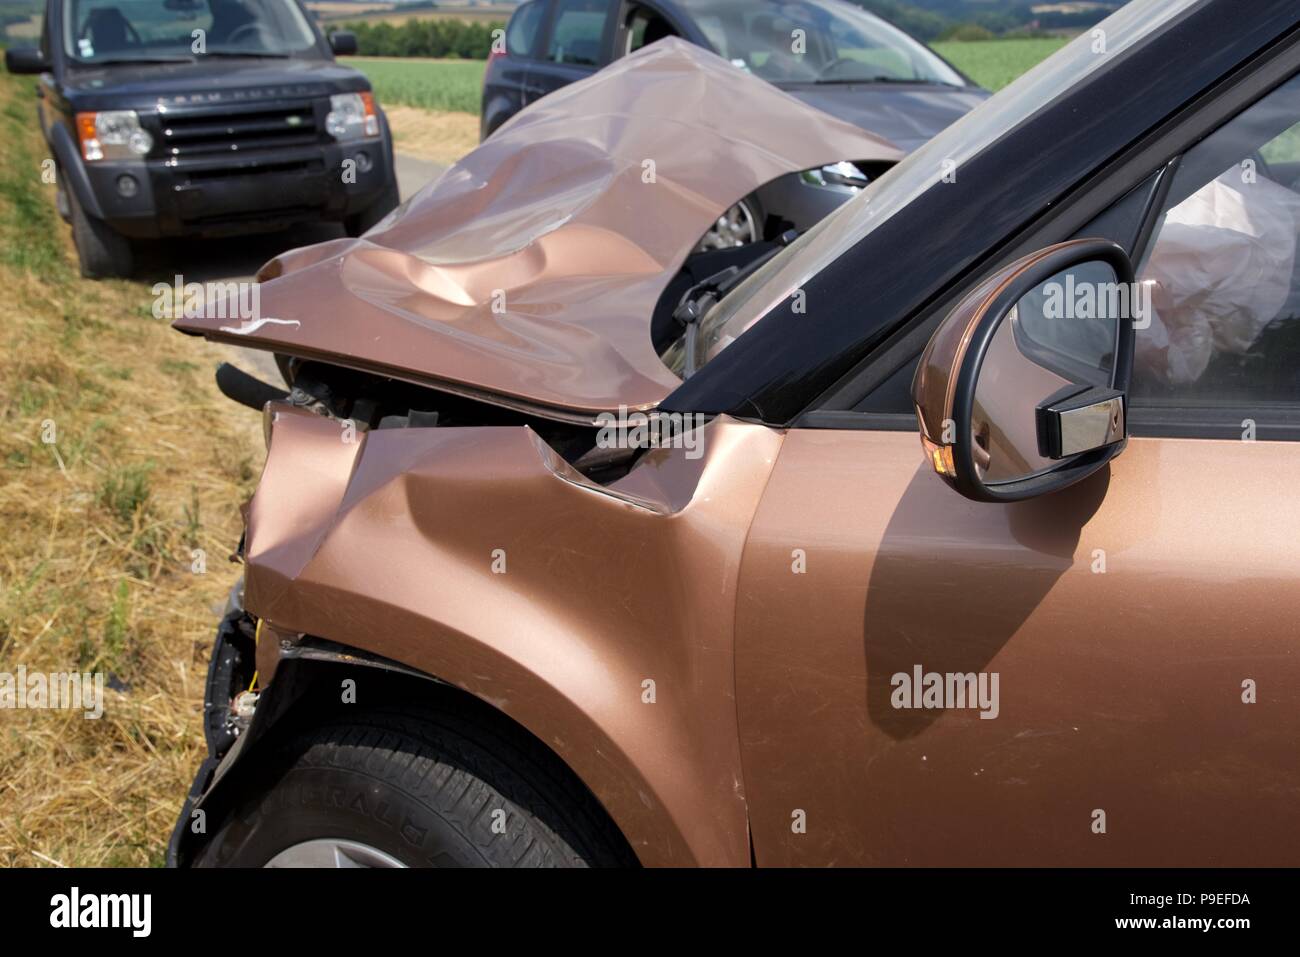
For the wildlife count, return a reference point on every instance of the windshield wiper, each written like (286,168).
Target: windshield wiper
(707,293)
(913,81)
(248,53)
(118,60)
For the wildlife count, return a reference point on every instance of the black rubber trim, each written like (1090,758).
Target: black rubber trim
(848,420)
(216,702)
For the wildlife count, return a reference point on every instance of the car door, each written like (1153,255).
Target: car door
(46,84)
(577,41)
(508,85)
(1131,640)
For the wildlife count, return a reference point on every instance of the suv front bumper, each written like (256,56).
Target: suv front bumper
(250,192)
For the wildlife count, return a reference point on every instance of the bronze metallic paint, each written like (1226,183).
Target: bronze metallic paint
(1006,408)
(531,268)
(387,545)
(1119,691)
(935,384)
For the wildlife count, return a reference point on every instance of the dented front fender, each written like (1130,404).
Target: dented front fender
(599,618)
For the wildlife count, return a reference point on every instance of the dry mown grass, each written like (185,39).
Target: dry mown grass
(437,135)
(149,463)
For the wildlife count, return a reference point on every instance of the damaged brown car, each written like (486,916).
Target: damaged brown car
(576,547)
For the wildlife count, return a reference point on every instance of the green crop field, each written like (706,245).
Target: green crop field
(429,84)
(995,63)
(456,84)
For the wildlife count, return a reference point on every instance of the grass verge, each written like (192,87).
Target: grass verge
(441,137)
(121,472)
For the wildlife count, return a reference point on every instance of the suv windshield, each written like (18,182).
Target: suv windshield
(791,268)
(96,31)
(815,41)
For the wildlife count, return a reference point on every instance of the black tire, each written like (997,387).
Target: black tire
(101,252)
(61,202)
(387,202)
(421,784)
(750,209)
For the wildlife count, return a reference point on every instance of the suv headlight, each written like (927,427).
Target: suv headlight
(837,174)
(352,116)
(112,135)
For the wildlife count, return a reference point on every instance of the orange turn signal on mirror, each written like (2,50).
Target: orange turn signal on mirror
(940,457)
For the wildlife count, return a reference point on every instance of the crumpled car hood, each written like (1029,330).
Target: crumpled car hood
(530,270)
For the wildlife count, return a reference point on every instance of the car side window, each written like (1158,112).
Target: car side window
(521,33)
(46,50)
(577,32)
(644,27)
(1220,279)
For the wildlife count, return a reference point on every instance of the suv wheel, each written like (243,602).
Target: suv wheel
(101,252)
(385,204)
(415,786)
(740,225)
(61,200)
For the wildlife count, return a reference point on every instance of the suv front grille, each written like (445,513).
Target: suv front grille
(210,134)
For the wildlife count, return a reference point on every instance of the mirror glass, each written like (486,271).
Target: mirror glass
(1059,340)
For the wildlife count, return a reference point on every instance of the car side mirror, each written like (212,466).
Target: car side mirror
(21,60)
(343,43)
(1023,389)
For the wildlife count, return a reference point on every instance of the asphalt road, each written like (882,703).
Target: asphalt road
(238,259)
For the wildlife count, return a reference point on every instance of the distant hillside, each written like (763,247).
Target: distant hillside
(931,19)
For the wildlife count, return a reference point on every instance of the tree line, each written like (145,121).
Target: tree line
(473,41)
(979,19)
(424,38)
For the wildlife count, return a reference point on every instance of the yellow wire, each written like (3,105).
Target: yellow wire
(257,639)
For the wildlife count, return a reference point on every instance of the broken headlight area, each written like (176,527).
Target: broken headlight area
(363,402)
(227,711)
(231,689)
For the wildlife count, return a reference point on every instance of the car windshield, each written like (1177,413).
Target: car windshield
(789,270)
(97,31)
(815,41)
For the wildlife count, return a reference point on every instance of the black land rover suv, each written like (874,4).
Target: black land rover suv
(202,117)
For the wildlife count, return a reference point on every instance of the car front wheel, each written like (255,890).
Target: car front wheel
(740,225)
(415,786)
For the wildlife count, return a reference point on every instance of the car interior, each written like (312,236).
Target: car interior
(643,26)
(168,26)
(1225,257)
